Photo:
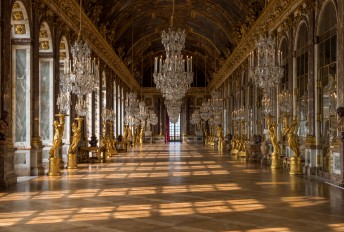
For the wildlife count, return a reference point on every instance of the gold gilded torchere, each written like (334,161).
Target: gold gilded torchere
(54,160)
(142,135)
(290,132)
(242,146)
(220,137)
(72,152)
(276,154)
(235,142)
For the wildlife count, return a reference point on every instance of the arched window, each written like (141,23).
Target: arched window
(327,56)
(302,79)
(21,76)
(46,85)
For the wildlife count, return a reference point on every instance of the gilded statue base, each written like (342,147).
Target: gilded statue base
(54,167)
(234,152)
(275,161)
(72,161)
(242,154)
(295,166)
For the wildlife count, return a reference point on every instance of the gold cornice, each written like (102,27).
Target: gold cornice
(68,11)
(271,17)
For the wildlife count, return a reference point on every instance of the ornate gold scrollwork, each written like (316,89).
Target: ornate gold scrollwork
(17,15)
(20,29)
(44,45)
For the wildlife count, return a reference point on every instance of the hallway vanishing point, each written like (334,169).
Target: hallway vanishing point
(172,187)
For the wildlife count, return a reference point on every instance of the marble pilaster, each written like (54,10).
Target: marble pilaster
(7,174)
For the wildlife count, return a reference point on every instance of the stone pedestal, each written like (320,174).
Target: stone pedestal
(54,167)
(7,174)
(295,165)
(275,161)
(36,167)
(72,161)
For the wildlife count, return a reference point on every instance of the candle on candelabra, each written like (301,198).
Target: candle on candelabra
(156,65)
(160,63)
(191,64)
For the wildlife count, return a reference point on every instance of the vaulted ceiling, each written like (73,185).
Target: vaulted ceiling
(133,28)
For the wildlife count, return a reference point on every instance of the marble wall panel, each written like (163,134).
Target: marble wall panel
(22,163)
(21,94)
(45,96)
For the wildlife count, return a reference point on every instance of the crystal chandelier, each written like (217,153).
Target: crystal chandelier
(205,110)
(173,110)
(81,74)
(195,117)
(108,115)
(285,102)
(132,105)
(173,75)
(142,115)
(265,70)
(152,118)
(63,101)
(217,106)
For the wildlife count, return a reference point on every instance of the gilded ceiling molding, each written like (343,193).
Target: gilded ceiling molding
(271,17)
(68,11)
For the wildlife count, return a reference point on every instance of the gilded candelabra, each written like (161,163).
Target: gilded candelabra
(54,159)
(110,144)
(285,103)
(235,141)
(220,137)
(72,151)
(242,146)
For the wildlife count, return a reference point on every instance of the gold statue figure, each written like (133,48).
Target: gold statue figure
(219,134)
(290,132)
(272,128)
(142,135)
(59,129)
(54,159)
(72,156)
(275,156)
(76,128)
